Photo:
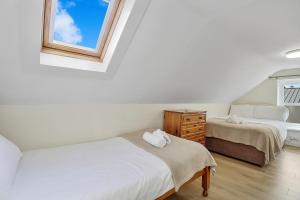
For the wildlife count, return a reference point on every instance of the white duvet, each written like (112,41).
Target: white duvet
(112,169)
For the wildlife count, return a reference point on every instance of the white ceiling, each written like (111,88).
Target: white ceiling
(192,51)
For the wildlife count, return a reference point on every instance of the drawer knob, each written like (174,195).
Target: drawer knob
(187,119)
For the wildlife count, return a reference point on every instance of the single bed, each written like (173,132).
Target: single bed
(257,140)
(111,169)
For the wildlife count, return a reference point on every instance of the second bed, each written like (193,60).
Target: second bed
(257,140)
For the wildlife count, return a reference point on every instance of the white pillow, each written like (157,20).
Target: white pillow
(279,113)
(10,156)
(242,110)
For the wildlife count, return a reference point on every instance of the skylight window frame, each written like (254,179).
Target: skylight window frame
(76,51)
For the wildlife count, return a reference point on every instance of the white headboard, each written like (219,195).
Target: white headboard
(279,113)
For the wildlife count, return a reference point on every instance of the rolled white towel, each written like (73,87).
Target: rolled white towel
(234,119)
(154,140)
(162,134)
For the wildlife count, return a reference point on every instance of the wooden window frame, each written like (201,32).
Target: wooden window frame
(68,51)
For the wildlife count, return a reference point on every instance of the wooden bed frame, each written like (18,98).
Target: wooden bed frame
(205,174)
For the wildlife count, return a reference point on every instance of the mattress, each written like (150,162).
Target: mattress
(110,169)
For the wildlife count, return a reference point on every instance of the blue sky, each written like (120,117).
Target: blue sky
(79,21)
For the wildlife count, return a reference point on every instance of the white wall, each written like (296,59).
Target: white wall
(266,93)
(40,126)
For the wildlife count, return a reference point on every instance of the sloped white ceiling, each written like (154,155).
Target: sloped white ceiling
(191,51)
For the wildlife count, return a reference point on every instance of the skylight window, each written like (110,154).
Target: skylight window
(79,28)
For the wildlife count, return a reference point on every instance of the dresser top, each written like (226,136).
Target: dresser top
(187,111)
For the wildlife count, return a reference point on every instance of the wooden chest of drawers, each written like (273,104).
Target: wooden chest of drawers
(185,124)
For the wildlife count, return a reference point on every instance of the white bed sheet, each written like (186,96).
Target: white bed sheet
(106,170)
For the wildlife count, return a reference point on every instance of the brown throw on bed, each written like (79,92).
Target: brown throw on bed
(263,137)
(183,157)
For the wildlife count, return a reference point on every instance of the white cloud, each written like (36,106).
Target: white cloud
(65,28)
(70,4)
(103,2)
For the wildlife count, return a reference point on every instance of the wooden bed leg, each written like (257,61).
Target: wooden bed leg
(206,181)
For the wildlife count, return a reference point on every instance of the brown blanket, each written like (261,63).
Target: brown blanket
(263,137)
(183,157)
